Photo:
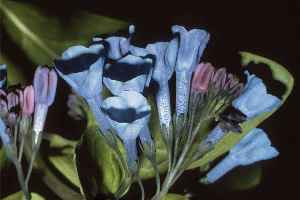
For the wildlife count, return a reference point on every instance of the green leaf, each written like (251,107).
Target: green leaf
(19,196)
(43,37)
(171,196)
(104,173)
(280,74)
(3,159)
(64,161)
(14,72)
(244,178)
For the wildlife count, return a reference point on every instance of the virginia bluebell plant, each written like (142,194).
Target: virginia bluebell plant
(205,96)
(203,93)
(23,112)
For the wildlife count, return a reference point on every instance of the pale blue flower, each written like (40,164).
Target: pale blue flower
(128,113)
(161,74)
(215,135)
(255,100)
(190,46)
(82,67)
(254,147)
(3,134)
(116,46)
(3,76)
(130,73)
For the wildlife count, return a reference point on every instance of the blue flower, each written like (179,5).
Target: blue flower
(3,134)
(190,46)
(255,100)
(161,74)
(81,67)
(130,73)
(116,47)
(254,147)
(128,113)
(3,76)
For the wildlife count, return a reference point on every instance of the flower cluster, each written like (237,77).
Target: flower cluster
(203,94)
(23,110)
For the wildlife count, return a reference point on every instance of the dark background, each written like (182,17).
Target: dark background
(267,28)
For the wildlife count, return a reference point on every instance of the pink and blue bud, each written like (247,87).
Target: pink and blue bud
(45,84)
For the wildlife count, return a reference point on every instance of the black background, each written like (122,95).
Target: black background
(267,28)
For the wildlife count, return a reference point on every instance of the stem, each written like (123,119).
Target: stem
(142,188)
(22,183)
(21,149)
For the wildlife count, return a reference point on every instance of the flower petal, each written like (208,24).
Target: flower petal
(255,100)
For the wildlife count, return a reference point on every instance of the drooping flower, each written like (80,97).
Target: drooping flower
(191,45)
(130,73)
(254,99)
(82,67)
(161,74)
(128,113)
(3,76)
(254,147)
(44,83)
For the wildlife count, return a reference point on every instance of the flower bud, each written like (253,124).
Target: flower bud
(202,76)
(28,102)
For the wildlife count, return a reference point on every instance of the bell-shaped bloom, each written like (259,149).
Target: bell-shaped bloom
(202,77)
(254,99)
(27,105)
(191,45)
(82,67)
(6,140)
(3,76)
(130,73)
(162,73)
(116,46)
(45,84)
(13,100)
(254,147)
(128,113)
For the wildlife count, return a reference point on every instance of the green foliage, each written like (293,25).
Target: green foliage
(43,38)
(19,196)
(64,160)
(244,178)
(175,197)
(104,172)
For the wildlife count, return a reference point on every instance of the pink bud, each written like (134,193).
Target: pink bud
(202,76)
(12,100)
(219,78)
(28,102)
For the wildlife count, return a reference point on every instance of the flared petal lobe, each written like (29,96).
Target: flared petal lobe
(254,99)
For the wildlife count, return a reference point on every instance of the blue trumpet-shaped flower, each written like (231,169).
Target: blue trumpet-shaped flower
(128,113)
(190,46)
(82,67)
(130,73)
(3,76)
(116,46)
(161,74)
(254,147)
(255,100)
